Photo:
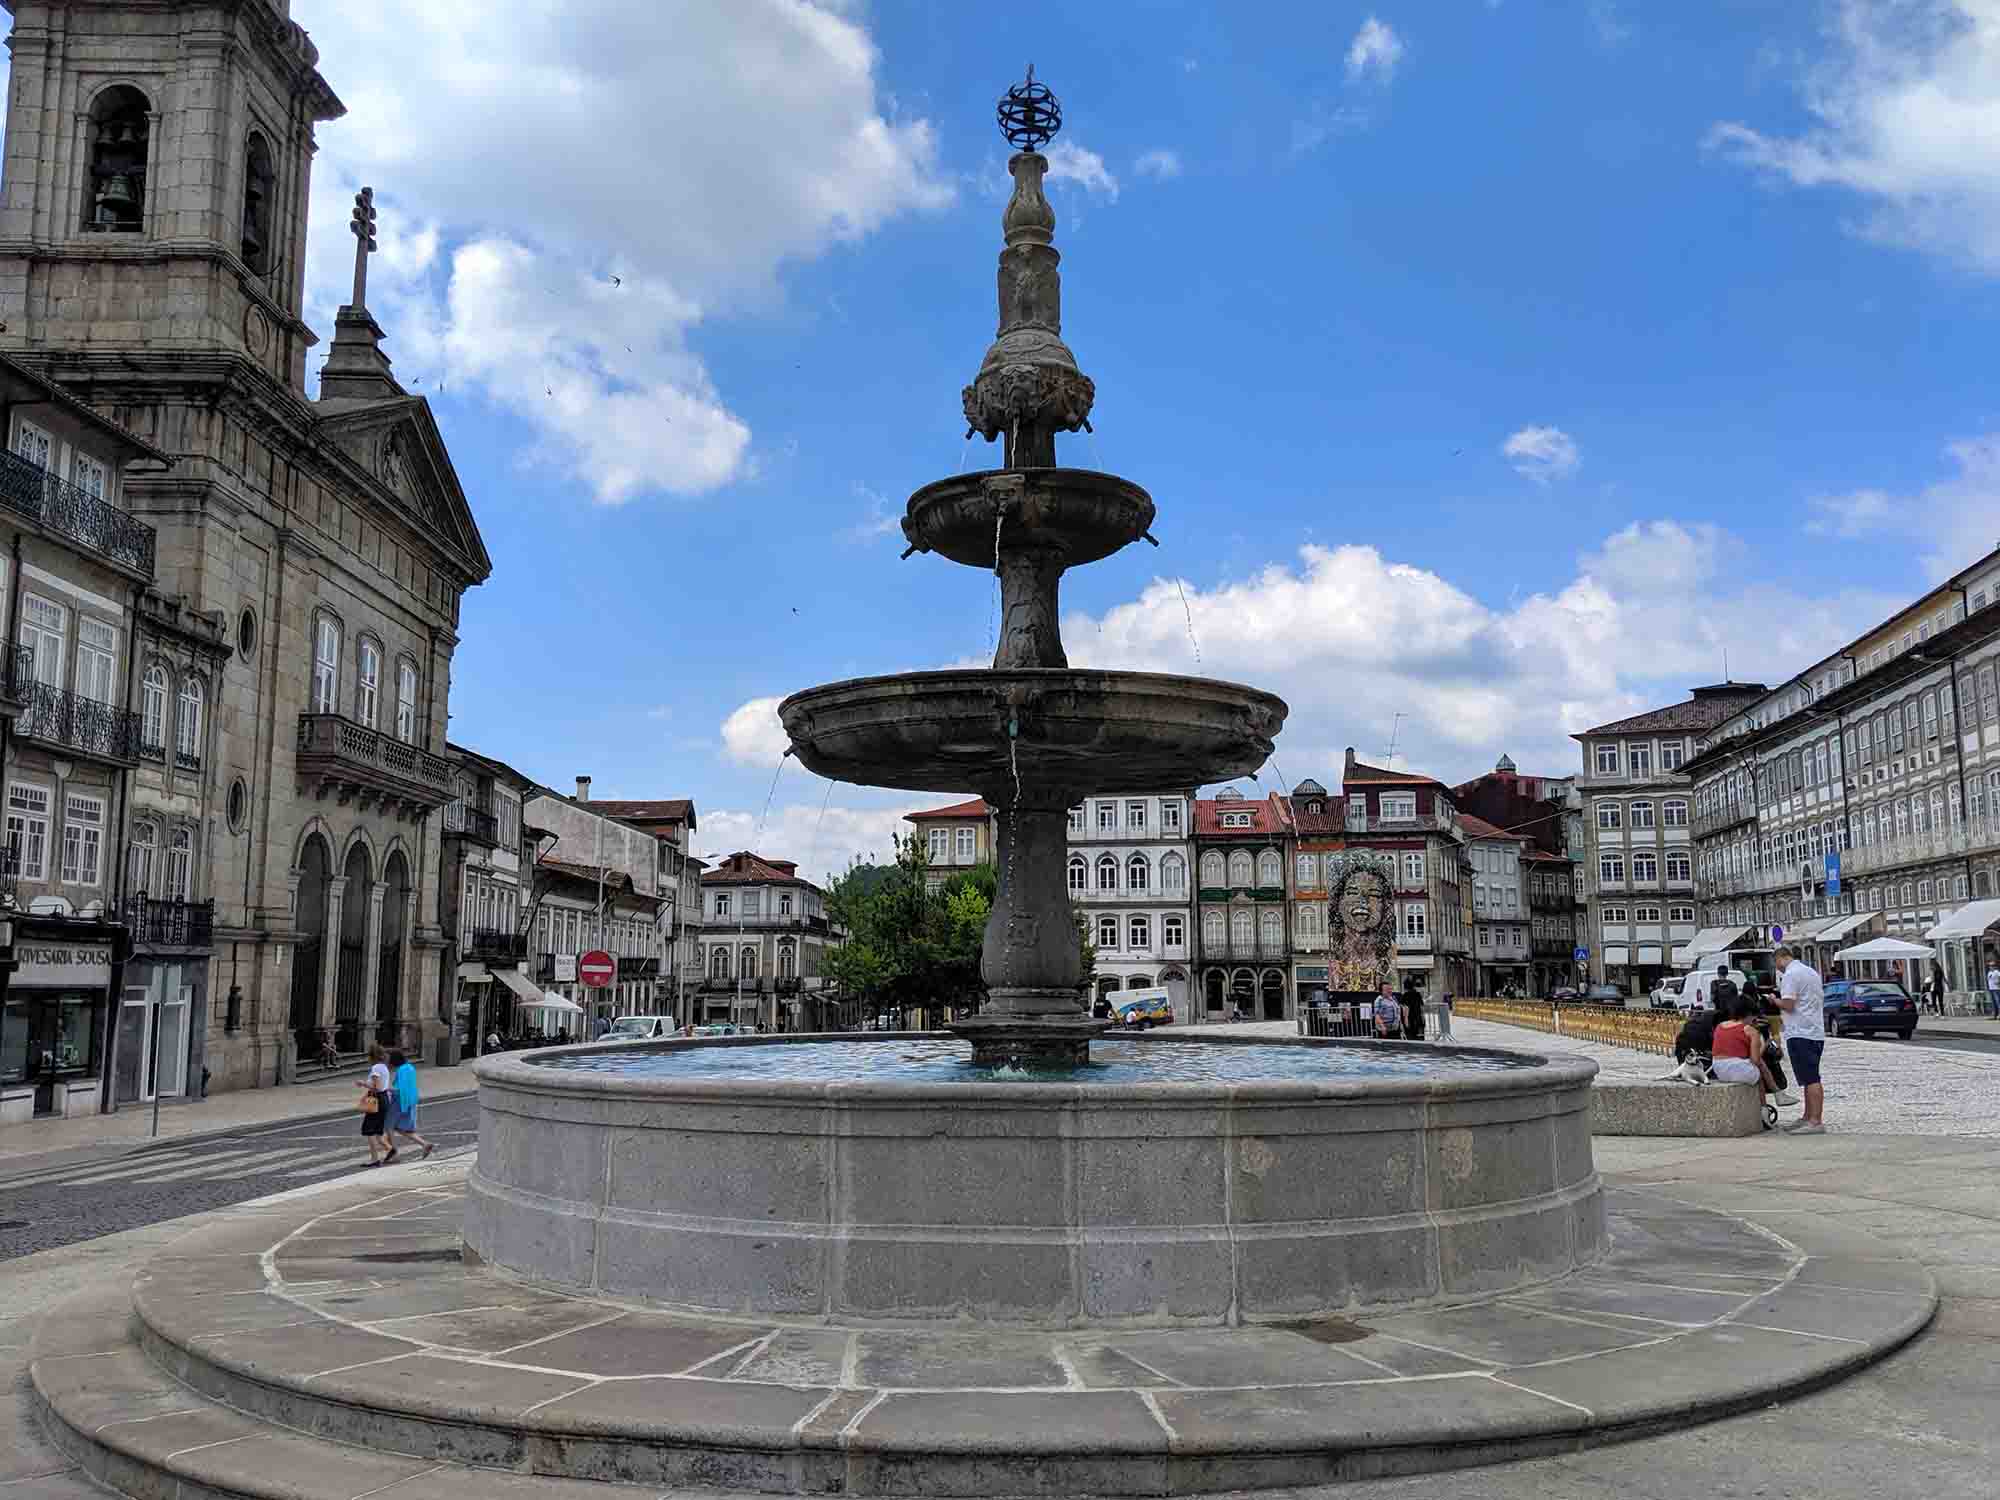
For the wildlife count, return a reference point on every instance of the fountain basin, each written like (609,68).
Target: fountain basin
(1079,514)
(1076,730)
(1036,1204)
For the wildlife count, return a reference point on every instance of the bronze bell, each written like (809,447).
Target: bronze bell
(117,193)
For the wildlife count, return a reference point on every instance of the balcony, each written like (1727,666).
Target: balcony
(481,827)
(68,721)
(62,509)
(633,967)
(1726,816)
(1240,952)
(783,922)
(496,946)
(18,679)
(170,924)
(354,763)
(1914,848)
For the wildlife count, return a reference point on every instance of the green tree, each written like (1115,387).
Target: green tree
(909,944)
(1087,951)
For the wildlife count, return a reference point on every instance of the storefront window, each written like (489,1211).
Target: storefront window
(75,1033)
(14,1042)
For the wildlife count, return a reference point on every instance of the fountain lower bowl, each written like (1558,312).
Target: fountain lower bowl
(1035,1204)
(1074,730)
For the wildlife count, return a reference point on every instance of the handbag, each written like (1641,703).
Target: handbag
(371,1103)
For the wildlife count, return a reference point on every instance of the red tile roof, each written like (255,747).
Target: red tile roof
(1542,856)
(745,868)
(1479,828)
(976,808)
(663,810)
(1361,771)
(1268,816)
(1703,710)
(1329,822)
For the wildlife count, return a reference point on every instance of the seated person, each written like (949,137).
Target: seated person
(1739,1051)
(1696,1037)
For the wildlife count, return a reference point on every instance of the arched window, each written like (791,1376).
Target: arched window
(144,849)
(1139,934)
(1107,873)
(1270,869)
(406,701)
(180,865)
(368,689)
(788,961)
(1270,929)
(259,181)
(718,963)
(1241,930)
(748,961)
(187,738)
(1213,877)
(115,193)
(1173,875)
(1240,866)
(1079,875)
(153,709)
(326,665)
(1138,873)
(1211,929)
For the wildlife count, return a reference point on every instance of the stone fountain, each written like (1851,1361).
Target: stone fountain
(1032,735)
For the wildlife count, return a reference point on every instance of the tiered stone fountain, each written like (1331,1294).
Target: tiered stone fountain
(1033,735)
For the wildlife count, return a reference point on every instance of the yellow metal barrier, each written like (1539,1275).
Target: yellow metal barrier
(1640,1030)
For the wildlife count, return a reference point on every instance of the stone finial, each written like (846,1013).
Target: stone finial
(1028,220)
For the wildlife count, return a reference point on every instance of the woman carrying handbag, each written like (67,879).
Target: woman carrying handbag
(374,1105)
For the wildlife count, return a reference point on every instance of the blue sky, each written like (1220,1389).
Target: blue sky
(1499,365)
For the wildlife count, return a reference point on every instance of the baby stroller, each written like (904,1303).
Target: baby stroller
(1694,1053)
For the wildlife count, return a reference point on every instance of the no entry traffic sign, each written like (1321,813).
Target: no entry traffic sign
(597,968)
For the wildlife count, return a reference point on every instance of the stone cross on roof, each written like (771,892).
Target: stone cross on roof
(363,225)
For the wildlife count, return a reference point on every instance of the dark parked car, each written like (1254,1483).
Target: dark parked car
(1604,994)
(1566,992)
(1854,1006)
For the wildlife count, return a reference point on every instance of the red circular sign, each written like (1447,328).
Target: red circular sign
(597,968)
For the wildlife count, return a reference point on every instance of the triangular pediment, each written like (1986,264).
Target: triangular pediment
(396,445)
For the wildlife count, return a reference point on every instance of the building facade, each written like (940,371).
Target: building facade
(1556,923)
(1318,832)
(1413,820)
(672,822)
(485,897)
(1243,956)
(764,940)
(954,839)
(1500,917)
(1638,816)
(1131,864)
(1862,797)
(152,255)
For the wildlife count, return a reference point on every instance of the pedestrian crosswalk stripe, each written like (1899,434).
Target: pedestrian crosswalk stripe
(259,1165)
(159,1163)
(345,1157)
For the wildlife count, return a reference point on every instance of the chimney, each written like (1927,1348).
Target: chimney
(583,788)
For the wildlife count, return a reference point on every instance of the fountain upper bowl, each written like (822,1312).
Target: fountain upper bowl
(1071,730)
(1078,513)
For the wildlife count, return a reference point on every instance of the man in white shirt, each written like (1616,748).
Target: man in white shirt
(1803,1002)
(1993,987)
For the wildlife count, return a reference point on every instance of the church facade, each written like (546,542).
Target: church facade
(291,648)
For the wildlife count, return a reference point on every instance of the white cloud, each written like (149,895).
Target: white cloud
(752,735)
(1906,111)
(610,144)
(1957,518)
(1069,162)
(1159,164)
(819,837)
(1611,27)
(1374,52)
(1542,453)
(881,518)
(1350,638)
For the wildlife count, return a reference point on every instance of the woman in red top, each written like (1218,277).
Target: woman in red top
(1739,1051)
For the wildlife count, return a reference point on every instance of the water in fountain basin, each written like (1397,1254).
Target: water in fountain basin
(937,1060)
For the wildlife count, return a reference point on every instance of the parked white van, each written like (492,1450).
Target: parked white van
(1694,989)
(640,1028)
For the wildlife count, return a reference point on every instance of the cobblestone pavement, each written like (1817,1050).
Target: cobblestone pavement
(1877,1086)
(67,1202)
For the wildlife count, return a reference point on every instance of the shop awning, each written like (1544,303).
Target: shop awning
(523,987)
(1709,942)
(1970,920)
(1614,954)
(1833,929)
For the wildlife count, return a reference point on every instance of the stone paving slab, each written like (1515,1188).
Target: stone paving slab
(386,1350)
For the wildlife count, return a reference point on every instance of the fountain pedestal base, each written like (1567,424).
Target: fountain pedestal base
(1034,1044)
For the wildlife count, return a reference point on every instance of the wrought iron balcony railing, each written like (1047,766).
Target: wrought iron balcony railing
(506,947)
(62,508)
(56,717)
(20,671)
(170,924)
(479,826)
(633,967)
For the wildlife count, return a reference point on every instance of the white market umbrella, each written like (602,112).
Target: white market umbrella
(552,1001)
(1883,947)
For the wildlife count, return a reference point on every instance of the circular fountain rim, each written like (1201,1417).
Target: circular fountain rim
(1544,1071)
(964,677)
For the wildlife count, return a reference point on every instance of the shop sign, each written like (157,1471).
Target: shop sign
(565,968)
(1309,973)
(76,966)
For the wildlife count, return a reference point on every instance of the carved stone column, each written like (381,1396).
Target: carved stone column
(371,966)
(329,957)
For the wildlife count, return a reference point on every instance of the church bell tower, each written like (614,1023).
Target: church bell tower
(157,164)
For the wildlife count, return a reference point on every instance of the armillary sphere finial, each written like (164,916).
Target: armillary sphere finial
(1030,115)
